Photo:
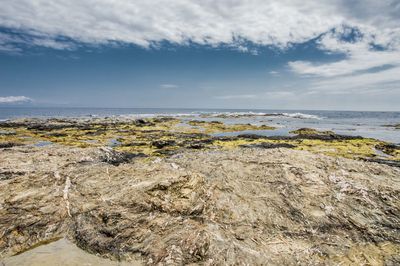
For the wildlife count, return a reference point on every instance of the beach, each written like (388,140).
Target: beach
(173,190)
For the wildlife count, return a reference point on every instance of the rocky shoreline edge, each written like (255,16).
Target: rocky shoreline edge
(166,136)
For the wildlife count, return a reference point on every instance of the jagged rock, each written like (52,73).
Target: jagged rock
(9,174)
(8,144)
(310,131)
(108,155)
(393,163)
(143,122)
(159,144)
(251,136)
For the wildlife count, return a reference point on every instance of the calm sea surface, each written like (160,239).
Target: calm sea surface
(366,124)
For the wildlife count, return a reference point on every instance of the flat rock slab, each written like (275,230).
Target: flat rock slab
(243,206)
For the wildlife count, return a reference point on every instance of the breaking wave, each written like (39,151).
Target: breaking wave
(301,116)
(252,114)
(296,115)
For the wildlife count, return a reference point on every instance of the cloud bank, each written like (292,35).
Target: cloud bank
(144,22)
(15,99)
(365,32)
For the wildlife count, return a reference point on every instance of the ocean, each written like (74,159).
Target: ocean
(366,124)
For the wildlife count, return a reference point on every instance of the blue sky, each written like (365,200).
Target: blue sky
(201,54)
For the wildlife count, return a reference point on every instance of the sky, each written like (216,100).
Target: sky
(252,54)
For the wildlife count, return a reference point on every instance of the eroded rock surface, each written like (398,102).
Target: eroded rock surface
(242,206)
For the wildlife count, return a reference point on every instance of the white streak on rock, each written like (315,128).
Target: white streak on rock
(66,191)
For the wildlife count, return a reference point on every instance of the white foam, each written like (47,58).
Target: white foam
(157,115)
(218,114)
(301,116)
(234,114)
(244,114)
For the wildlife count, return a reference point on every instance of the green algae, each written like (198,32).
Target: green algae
(210,127)
(352,149)
(244,143)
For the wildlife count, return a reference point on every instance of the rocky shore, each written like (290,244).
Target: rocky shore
(162,191)
(165,136)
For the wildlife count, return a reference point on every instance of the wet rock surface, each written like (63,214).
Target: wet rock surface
(214,207)
(383,161)
(60,252)
(313,134)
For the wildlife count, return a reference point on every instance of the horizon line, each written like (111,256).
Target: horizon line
(196,108)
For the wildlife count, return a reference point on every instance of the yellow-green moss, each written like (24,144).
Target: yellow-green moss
(216,126)
(21,137)
(367,254)
(235,143)
(230,144)
(355,148)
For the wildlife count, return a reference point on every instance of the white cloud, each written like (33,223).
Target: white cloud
(382,81)
(231,22)
(169,86)
(56,23)
(371,63)
(15,99)
(237,96)
(10,42)
(360,56)
(143,22)
(277,94)
(6,43)
(50,43)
